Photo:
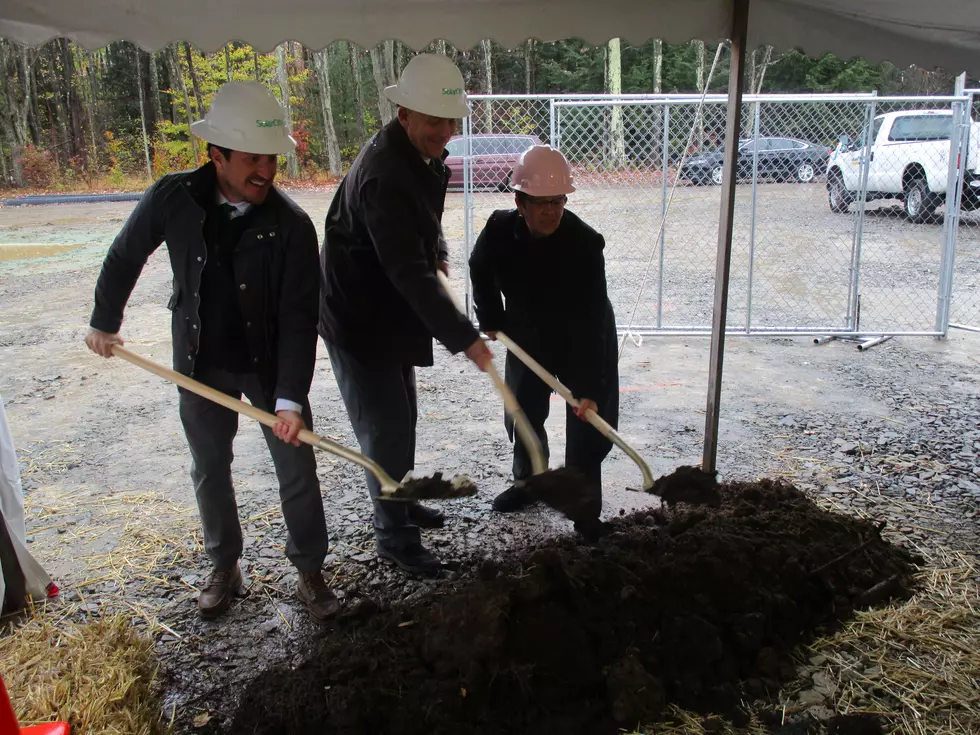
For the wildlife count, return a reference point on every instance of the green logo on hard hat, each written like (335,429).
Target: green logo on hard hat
(452,90)
(268,123)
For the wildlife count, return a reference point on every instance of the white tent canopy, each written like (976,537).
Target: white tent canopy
(942,33)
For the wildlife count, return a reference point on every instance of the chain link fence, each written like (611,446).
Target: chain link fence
(840,223)
(964,309)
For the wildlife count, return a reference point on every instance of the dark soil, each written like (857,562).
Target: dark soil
(435,488)
(690,485)
(862,724)
(702,609)
(566,490)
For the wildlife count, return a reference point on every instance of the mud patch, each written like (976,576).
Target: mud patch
(26,251)
(697,609)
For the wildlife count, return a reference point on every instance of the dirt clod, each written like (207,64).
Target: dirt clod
(547,642)
(688,484)
(435,488)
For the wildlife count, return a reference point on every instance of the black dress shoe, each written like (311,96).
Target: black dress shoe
(414,559)
(424,517)
(591,530)
(514,498)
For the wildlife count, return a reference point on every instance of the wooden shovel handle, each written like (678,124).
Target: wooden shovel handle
(306,436)
(591,416)
(523,427)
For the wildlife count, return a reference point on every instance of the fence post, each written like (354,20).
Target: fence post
(552,138)
(959,84)
(854,294)
(755,207)
(557,124)
(664,163)
(959,148)
(467,217)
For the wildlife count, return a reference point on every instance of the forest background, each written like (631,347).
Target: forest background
(117,118)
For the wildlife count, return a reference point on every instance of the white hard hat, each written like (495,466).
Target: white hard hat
(431,84)
(542,171)
(246,117)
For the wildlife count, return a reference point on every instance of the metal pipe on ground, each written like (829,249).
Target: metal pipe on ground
(38,199)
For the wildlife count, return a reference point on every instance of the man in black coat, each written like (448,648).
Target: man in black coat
(548,266)
(244,260)
(381,302)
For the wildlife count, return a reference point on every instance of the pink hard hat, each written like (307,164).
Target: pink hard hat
(542,171)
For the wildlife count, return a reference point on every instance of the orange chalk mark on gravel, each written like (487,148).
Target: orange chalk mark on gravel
(631,389)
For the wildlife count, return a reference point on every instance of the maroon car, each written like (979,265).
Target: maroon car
(492,159)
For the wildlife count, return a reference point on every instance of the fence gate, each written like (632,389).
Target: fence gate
(964,308)
(647,173)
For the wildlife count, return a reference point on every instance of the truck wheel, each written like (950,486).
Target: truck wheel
(920,204)
(837,196)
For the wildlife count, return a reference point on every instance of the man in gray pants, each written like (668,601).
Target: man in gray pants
(381,302)
(244,305)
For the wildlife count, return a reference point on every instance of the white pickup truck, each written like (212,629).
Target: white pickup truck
(909,162)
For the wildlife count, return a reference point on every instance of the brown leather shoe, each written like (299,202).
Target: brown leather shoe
(222,586)
(321,600)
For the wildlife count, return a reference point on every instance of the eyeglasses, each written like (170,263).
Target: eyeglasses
(542,202)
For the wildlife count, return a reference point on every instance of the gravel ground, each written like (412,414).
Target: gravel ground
(892,434)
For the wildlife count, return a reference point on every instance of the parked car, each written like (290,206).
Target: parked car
(787,159)
(909,162)
(492,158)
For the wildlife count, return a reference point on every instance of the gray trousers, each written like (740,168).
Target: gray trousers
(210,431)
(381,402)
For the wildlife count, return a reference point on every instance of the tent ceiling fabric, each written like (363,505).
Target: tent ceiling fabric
(938,33)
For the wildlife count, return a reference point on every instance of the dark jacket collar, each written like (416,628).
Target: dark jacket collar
(523,234)
(203,182)
(400,141)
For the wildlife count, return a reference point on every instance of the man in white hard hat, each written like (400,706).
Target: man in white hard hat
(244,303)
(547,264)
(381,302)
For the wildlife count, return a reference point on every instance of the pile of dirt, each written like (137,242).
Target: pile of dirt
(699,609)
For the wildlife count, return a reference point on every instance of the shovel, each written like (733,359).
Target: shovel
(565,489)
(423,488)
(686,484)
(591,416)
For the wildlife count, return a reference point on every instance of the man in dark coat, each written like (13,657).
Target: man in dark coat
(547,265)
(381,302)
(244,260)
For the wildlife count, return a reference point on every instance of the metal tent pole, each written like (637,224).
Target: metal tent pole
(740,24)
